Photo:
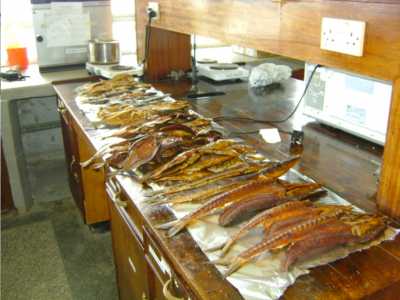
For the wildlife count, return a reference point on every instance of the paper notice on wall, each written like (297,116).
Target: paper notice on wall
(68,30)
(67,25)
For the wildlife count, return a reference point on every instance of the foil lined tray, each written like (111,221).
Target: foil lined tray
(261,279)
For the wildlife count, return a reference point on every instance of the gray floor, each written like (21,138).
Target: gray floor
(49,253)
(48,179)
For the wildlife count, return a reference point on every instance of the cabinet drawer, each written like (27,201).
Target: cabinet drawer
(163,282)
(128,257)
(128,209)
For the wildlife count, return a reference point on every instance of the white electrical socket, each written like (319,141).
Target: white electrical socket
(154,6)
(344,36)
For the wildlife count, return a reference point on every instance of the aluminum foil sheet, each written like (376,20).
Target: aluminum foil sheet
(263,279)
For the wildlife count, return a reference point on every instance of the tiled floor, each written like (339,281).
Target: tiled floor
(49,253)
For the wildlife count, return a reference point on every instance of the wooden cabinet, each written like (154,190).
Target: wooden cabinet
(142,270)
(128,253)
(87,185)
(7,203)
(71,156)
(162,281)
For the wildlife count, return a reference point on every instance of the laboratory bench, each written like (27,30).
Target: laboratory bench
(150,265)
(31,126)
(30,130)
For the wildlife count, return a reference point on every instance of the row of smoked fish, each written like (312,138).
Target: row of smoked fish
(180,157)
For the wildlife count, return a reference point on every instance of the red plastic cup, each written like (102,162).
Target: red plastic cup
(18,57)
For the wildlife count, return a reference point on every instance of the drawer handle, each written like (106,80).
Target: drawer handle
(115,191)
(115,198)
(61,104)
(144,296)
(76,176)
(62,111)
(73,161)
(118,201)
(132,264)
(167,294)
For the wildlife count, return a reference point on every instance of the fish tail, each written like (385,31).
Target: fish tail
(177,227)
(88,162)
(113,173)
(168,225)
(234,267)
(215,248)
(226,247)
(220,261)
(152,193)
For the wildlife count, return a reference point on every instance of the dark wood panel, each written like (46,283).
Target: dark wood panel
(389,190)
(71,157)
(168,51)
(364,273)
(92,181)
(292,28)
(7,203)
(129,259)
(288,28)
(87,185)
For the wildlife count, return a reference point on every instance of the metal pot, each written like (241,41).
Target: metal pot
(103,52)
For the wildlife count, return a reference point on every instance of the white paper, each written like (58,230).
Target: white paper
(70,8)
(270,135)
(67,28)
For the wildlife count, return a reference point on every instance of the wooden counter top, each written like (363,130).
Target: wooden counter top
(342,163)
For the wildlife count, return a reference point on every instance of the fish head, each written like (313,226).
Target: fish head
(277,169)
(299,189)
(335,210)
(363,224)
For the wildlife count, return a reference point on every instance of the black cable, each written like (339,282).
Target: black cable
(233,118)
(257,131)
(151,15)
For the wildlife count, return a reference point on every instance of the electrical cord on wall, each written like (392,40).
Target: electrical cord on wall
(270,122)
(151,14)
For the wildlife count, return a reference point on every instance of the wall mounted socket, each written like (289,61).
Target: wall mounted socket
(154,6)
(344,36)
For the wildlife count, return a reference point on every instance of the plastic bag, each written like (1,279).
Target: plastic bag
(266,74)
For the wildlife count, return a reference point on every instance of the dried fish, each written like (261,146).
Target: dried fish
(260,219)
(141,152)
(237,194)
(284,239)
(205,162)
(184,177)
(232,163)
(328,237)
(281,222)
(264,200)
(188,155)
(267,170)
(197,195)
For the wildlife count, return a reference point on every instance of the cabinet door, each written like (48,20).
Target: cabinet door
(92,181)
(163,282)
(162,286)
(71,157)
(128,257)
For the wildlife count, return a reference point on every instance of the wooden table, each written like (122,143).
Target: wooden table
(343,163)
